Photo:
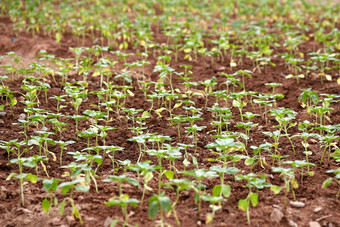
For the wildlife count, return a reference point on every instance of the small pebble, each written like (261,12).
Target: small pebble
(22,116)
(292,223)
(317,209)
(297,204)
(314,224)
(55,221)
(70,220)
(276,215)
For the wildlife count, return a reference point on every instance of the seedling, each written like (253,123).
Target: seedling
(122,201)
(253,180)
(199,175)
(159,203)
(327,182)
(179,185)
(299,164)
(70,186)
(289,182)
(193,130)
(284,116)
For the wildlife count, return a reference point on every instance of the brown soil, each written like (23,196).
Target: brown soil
(92,205)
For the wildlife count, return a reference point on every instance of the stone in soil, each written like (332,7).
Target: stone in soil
(317,209)
(297,204)
(314,224)
(276,215)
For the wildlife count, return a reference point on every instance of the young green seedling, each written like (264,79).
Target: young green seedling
(159,202)
(179,185)
(70,186)
(299,164)
(284,116)
(122,201)
(193,130)
(199,175)
(289,182)
(51,187)
(238,102)
(253,180)
(243,73)
(327,182)
(144,169)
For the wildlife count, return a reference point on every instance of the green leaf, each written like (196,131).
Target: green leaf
(65,189)
(194,161)
(169,174)
(31,177)
(226,190)
(177,105)
(327,182)
(58,37)
(82,188)
(78,101)
(45,204)
(276,189)
(236,103)
(165,203)
(148,176)
(62,207)
(249,161)
(153,207)
(14,102)
(243,204)
(254,199)
(158,111)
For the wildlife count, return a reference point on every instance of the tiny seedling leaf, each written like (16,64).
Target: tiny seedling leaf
(327,182)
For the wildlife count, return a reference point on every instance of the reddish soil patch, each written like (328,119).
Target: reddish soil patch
(92,205)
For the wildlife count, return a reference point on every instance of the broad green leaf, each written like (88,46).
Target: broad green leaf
(45,204)
(194,161)
(78,101)
(169,174)
(243,204)
(31,177)
(276,189)
(224,189)
(165,203)
(153,208)
(253,199)
(186,162)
